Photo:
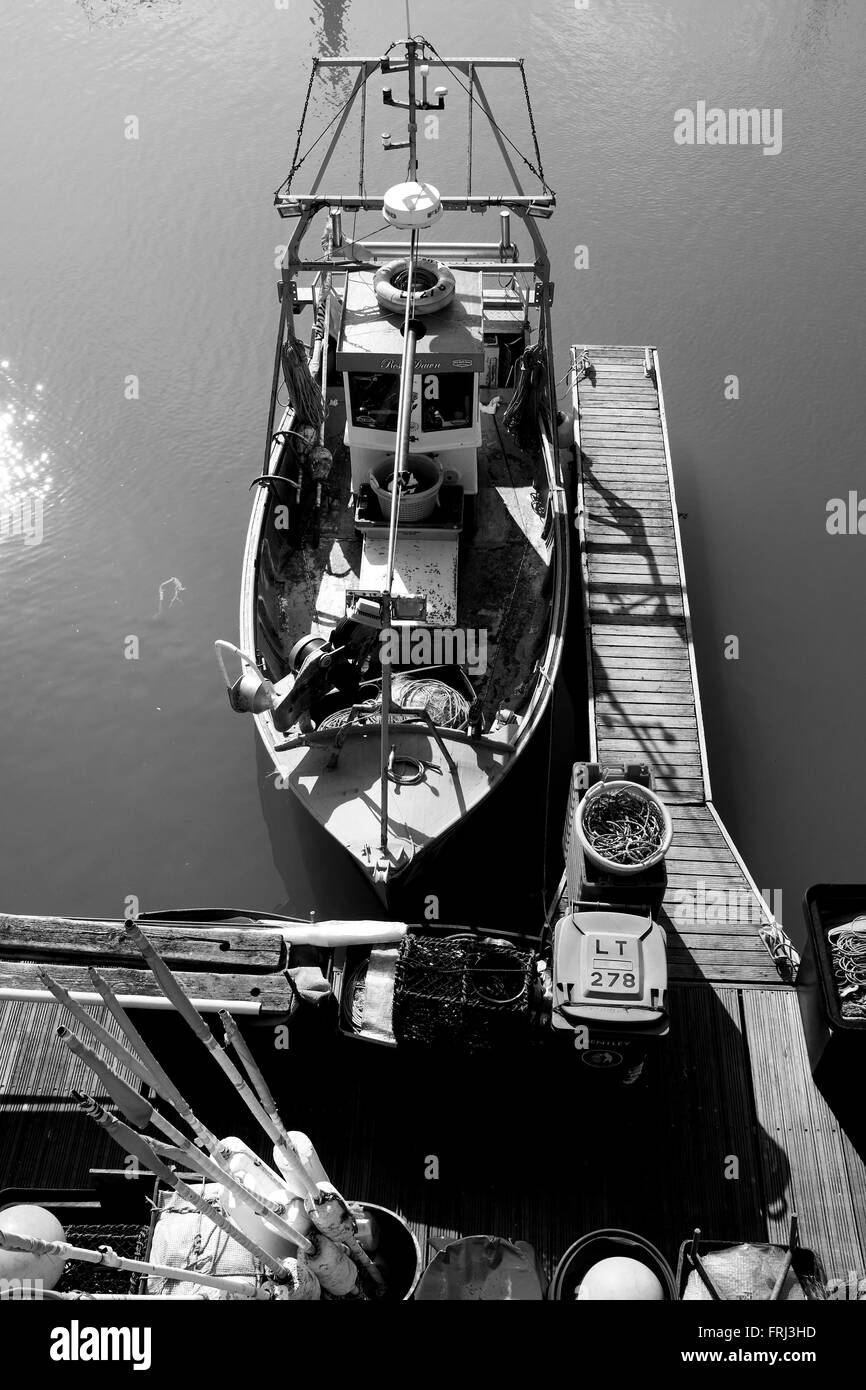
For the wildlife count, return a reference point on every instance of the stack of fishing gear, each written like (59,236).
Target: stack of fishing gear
(292,1235)
(530,402)
(446,706)
(305,396)
(466,992)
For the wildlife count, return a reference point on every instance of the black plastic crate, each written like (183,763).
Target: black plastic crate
(836,1044)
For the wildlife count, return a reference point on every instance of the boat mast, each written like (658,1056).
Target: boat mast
(404,415)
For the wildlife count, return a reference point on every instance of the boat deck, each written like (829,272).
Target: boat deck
(471,587)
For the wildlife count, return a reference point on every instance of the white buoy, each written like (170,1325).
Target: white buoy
(620,1278)
(21,1264)
(262,1181)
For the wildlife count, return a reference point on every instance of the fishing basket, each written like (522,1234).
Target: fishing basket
(419,485)
(623,828)
(462,991)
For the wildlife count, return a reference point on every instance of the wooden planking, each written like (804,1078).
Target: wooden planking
(273,993)
(218,948)
(635,572)
(804,1162)
(645,702)
(52,1146)
(667,1137)
(34,1062)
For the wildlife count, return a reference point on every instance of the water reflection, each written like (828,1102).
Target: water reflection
(119,11)
(329,25)
(814,31)
(25,469)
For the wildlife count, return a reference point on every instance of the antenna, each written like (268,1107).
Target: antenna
(413,105)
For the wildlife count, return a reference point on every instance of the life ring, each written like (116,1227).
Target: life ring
(434,286)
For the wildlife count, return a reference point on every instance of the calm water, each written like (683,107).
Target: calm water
(155,258)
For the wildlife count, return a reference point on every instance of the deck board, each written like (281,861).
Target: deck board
(35,1064)
(804,1154)
(564,1172)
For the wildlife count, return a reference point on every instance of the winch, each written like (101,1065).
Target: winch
(610,981)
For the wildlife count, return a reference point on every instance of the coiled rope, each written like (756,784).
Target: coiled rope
(848,952)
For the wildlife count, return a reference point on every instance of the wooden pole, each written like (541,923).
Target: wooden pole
(111,1260)
(236,1039)
(174,991)
(139,1148)
(139,1112)
(117,1050)
(163,1084)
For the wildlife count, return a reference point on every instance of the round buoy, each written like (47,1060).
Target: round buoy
(20,1264)
(619,1277)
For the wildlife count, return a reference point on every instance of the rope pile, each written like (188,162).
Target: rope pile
(372,716)
(848,952)
(623,827)
(446,706)
(304,395)
(529,402)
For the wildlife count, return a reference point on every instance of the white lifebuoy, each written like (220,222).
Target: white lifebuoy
(434,286)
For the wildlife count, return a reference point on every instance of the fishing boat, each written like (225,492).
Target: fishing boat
(404,585)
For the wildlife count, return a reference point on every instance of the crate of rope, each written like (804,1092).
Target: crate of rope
(831,989)
(463,991)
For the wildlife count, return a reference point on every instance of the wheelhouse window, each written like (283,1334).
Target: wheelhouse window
(446,401)
(374,398)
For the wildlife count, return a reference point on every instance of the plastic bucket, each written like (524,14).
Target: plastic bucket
(610,866)
(398,1252)
(481,1268)
(601,1245)
(427,474)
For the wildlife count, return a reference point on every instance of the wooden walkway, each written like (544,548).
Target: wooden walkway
(644,701)
(644,707)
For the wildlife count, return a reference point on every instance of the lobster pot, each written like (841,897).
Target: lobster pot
(428,474)
(462,992)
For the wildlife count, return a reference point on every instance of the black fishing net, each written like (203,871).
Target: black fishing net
(462,992)
(126,1240)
